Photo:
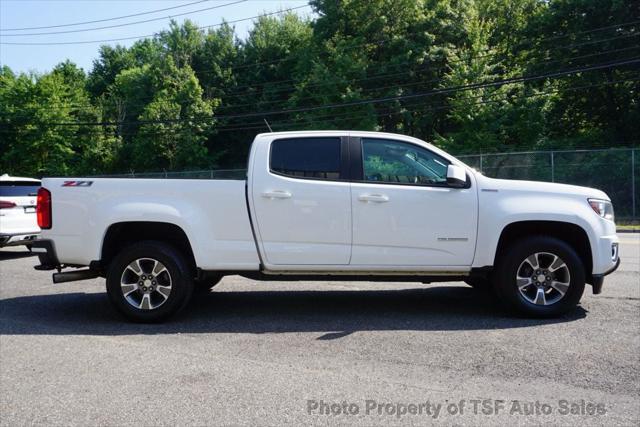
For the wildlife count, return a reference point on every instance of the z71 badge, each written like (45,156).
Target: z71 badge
(77,183)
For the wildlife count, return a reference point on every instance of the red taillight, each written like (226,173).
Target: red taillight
(43,208)
(7,205)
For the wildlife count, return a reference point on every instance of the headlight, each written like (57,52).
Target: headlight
(603,208)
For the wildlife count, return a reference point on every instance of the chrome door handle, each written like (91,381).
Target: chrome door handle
(376,198)
(276,194)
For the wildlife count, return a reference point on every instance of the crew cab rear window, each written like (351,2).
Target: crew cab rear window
(18,188)
(317,158)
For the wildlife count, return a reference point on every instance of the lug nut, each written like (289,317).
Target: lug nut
(153,283)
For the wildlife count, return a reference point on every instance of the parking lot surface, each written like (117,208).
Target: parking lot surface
(273,353)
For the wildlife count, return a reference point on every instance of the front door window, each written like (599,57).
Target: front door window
(395,162)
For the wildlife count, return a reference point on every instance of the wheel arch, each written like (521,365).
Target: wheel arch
(570,233)
(122,234)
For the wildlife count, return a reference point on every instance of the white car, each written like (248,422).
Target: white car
(334,205)
(18,223)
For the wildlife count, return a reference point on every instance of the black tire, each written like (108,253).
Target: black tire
(512,262)
(177,275)
(207,284)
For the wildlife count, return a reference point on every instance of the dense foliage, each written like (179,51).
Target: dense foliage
(447,71)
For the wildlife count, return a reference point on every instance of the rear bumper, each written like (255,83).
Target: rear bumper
(46,253)
(49,261)
(18,239)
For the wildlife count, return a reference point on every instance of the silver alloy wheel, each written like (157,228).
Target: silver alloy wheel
(543,278)
(146,283)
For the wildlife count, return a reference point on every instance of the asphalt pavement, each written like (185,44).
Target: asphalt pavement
(254,353)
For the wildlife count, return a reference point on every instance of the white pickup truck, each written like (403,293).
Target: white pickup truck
(335,205)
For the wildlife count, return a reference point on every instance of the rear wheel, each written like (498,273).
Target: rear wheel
(149,281)
(540,277)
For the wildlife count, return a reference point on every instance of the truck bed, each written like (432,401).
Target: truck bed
(213,214)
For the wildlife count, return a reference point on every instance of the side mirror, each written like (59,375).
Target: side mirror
(456,176)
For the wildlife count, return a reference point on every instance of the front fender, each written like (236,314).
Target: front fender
(500,209)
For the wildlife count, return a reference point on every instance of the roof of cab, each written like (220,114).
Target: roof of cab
(361,134)
(353,133)
(305,132)
(333,132)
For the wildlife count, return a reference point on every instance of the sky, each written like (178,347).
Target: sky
(18,14)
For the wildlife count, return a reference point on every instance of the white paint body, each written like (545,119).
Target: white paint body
(306,225)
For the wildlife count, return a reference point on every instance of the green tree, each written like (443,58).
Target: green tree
(214,60)
(266,70)
(38,113)
(181,42)
(175,124)
(570,34)
(151,106)
(489,118)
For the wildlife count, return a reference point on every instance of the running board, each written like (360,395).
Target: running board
(367,273)
(72,276)
(335,276)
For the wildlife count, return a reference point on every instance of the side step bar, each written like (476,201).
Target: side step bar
(72,276)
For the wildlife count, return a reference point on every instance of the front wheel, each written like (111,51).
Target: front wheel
(149,281)
(540,277)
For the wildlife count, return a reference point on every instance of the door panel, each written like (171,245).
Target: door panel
(410,228)
(398,220)
(302,205)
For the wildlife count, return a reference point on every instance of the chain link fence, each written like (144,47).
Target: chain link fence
(197,174)
(614,171)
